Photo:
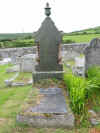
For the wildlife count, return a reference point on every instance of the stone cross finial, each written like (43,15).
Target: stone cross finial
(47,10)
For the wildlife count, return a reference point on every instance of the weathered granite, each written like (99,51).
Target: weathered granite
(92,54)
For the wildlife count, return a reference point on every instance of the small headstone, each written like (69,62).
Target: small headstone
(92,54)
(26,62)
(79,68)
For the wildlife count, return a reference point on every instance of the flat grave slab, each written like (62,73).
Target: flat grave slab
(52,102)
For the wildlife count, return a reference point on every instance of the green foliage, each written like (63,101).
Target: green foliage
(93,72)
(16,40)
(77,88)
(12,36)
(82,89)
(93,75)
(79,38)
(68,41)
(17,43)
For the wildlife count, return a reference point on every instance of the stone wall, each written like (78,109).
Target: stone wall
(9,52)
(77,47)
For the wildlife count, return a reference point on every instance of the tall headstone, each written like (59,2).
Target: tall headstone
(50,109)
(48,40)
(92,53)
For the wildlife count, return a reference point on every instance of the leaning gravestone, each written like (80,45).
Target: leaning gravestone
(92,54)
(51,110)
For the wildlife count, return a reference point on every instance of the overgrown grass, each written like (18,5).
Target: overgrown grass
(77,88)
(93,75)
(84,93)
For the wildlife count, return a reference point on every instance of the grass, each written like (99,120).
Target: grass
(23,77)
(11,101)
(4,75)
(80,38)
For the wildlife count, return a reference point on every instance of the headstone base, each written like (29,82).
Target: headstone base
(56,121)
(47,75)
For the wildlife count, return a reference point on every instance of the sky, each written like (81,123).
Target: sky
(20,16)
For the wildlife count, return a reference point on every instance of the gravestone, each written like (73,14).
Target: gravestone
(51,109)
(26,62)
(48,40)
(79,66)
(92,54)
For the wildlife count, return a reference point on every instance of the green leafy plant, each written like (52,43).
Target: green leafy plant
(81,90)
(77,88)
(93,76)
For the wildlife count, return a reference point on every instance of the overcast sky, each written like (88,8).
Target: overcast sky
(68,15)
